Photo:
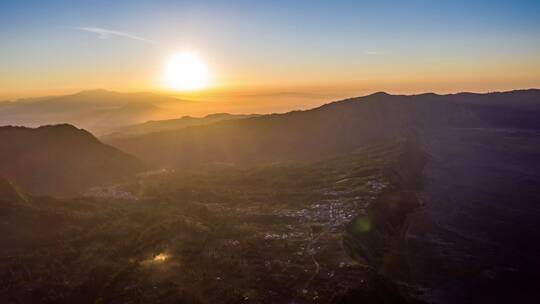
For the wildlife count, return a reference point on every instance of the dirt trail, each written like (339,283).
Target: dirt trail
(312,252)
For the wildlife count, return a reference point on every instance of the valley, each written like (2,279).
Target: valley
(374,199)
(220,235)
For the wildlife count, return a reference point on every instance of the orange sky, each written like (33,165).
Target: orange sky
(316,50)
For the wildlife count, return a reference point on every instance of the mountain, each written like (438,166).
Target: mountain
(170,124)
(60,159)
(97,110)
(516,109)
(477,236)
(331,129)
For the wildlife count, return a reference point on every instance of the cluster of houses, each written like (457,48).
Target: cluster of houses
(337,211)
(111,192)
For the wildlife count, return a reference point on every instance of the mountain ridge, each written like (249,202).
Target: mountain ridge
(95,110)
(60,159)
(153,126)
(333,128)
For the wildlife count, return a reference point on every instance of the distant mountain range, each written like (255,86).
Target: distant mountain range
(60,160)
(98,111)
(334,128)
(170,124)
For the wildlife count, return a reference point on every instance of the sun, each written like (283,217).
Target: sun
(186,72)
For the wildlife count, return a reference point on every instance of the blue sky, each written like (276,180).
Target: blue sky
(272,42)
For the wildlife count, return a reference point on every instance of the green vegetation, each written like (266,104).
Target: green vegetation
(217,235)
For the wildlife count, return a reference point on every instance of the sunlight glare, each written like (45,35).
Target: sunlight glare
(186,72)
(161,257)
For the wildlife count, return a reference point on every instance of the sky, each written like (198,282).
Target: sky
(270,47)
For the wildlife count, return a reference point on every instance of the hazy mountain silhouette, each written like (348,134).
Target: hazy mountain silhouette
(334,128)
(170,124)
(96,110)
(60,159)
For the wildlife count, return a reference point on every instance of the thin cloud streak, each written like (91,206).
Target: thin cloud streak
(107,34)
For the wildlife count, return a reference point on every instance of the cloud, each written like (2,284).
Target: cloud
(107,34)
(372,52)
